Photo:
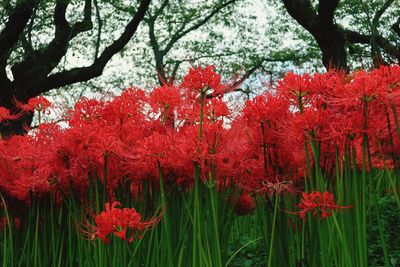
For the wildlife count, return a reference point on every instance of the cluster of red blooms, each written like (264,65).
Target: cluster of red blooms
(40,104)
(5,115)
(262,150)
(118,221)
(318,203)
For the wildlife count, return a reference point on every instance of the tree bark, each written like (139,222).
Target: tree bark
(332,38)
(329,36)
(331,42)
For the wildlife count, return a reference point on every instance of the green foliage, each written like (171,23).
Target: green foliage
(249,253)
(368,18)
(388,219)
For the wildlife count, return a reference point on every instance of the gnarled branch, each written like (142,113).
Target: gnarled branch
(16,23)
(383,43)
(181,33)
(42,61)
(85,73)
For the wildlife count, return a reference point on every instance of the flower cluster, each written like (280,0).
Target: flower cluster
(260,149)
(118,221)
(39,103)
(201,80)
(5,115)
(318,204)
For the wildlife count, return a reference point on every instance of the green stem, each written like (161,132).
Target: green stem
(214,210)
(197,244)
(273,230)
(165,219)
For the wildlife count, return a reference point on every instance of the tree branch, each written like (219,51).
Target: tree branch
(85,73)
(357,38)
(174,71)
(159,11)
(152,35)
(322,27)
(99,29)
(86,23)
(15,25)
(383,43)
(158,56)
(181,33)
(380,12)
(220,55)
(396,27)
(42,61)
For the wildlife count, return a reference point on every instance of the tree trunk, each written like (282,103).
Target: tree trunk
(321,24)
(331,42)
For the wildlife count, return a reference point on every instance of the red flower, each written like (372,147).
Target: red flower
(216,109)
(118,221)
(39,103)
(296,88)
(244,205)
(5,115)
(266,108)
(319,204)
(202,81)
(85,111)
(165,98)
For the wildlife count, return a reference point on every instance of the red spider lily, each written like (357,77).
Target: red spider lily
(266,108)
(278,186)
(259,150)
(296,88)
(200,80)
(364,87)
(141,160)
(216,109)
(244,205)
(5,115)
(118,221)
(390,74)
(85,111)
(129,106)
(165,98)
(205,81)
(39,103)
(318,203)
(22,171)
(326,86)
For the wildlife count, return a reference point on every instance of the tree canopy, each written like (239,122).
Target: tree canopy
(364,29)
